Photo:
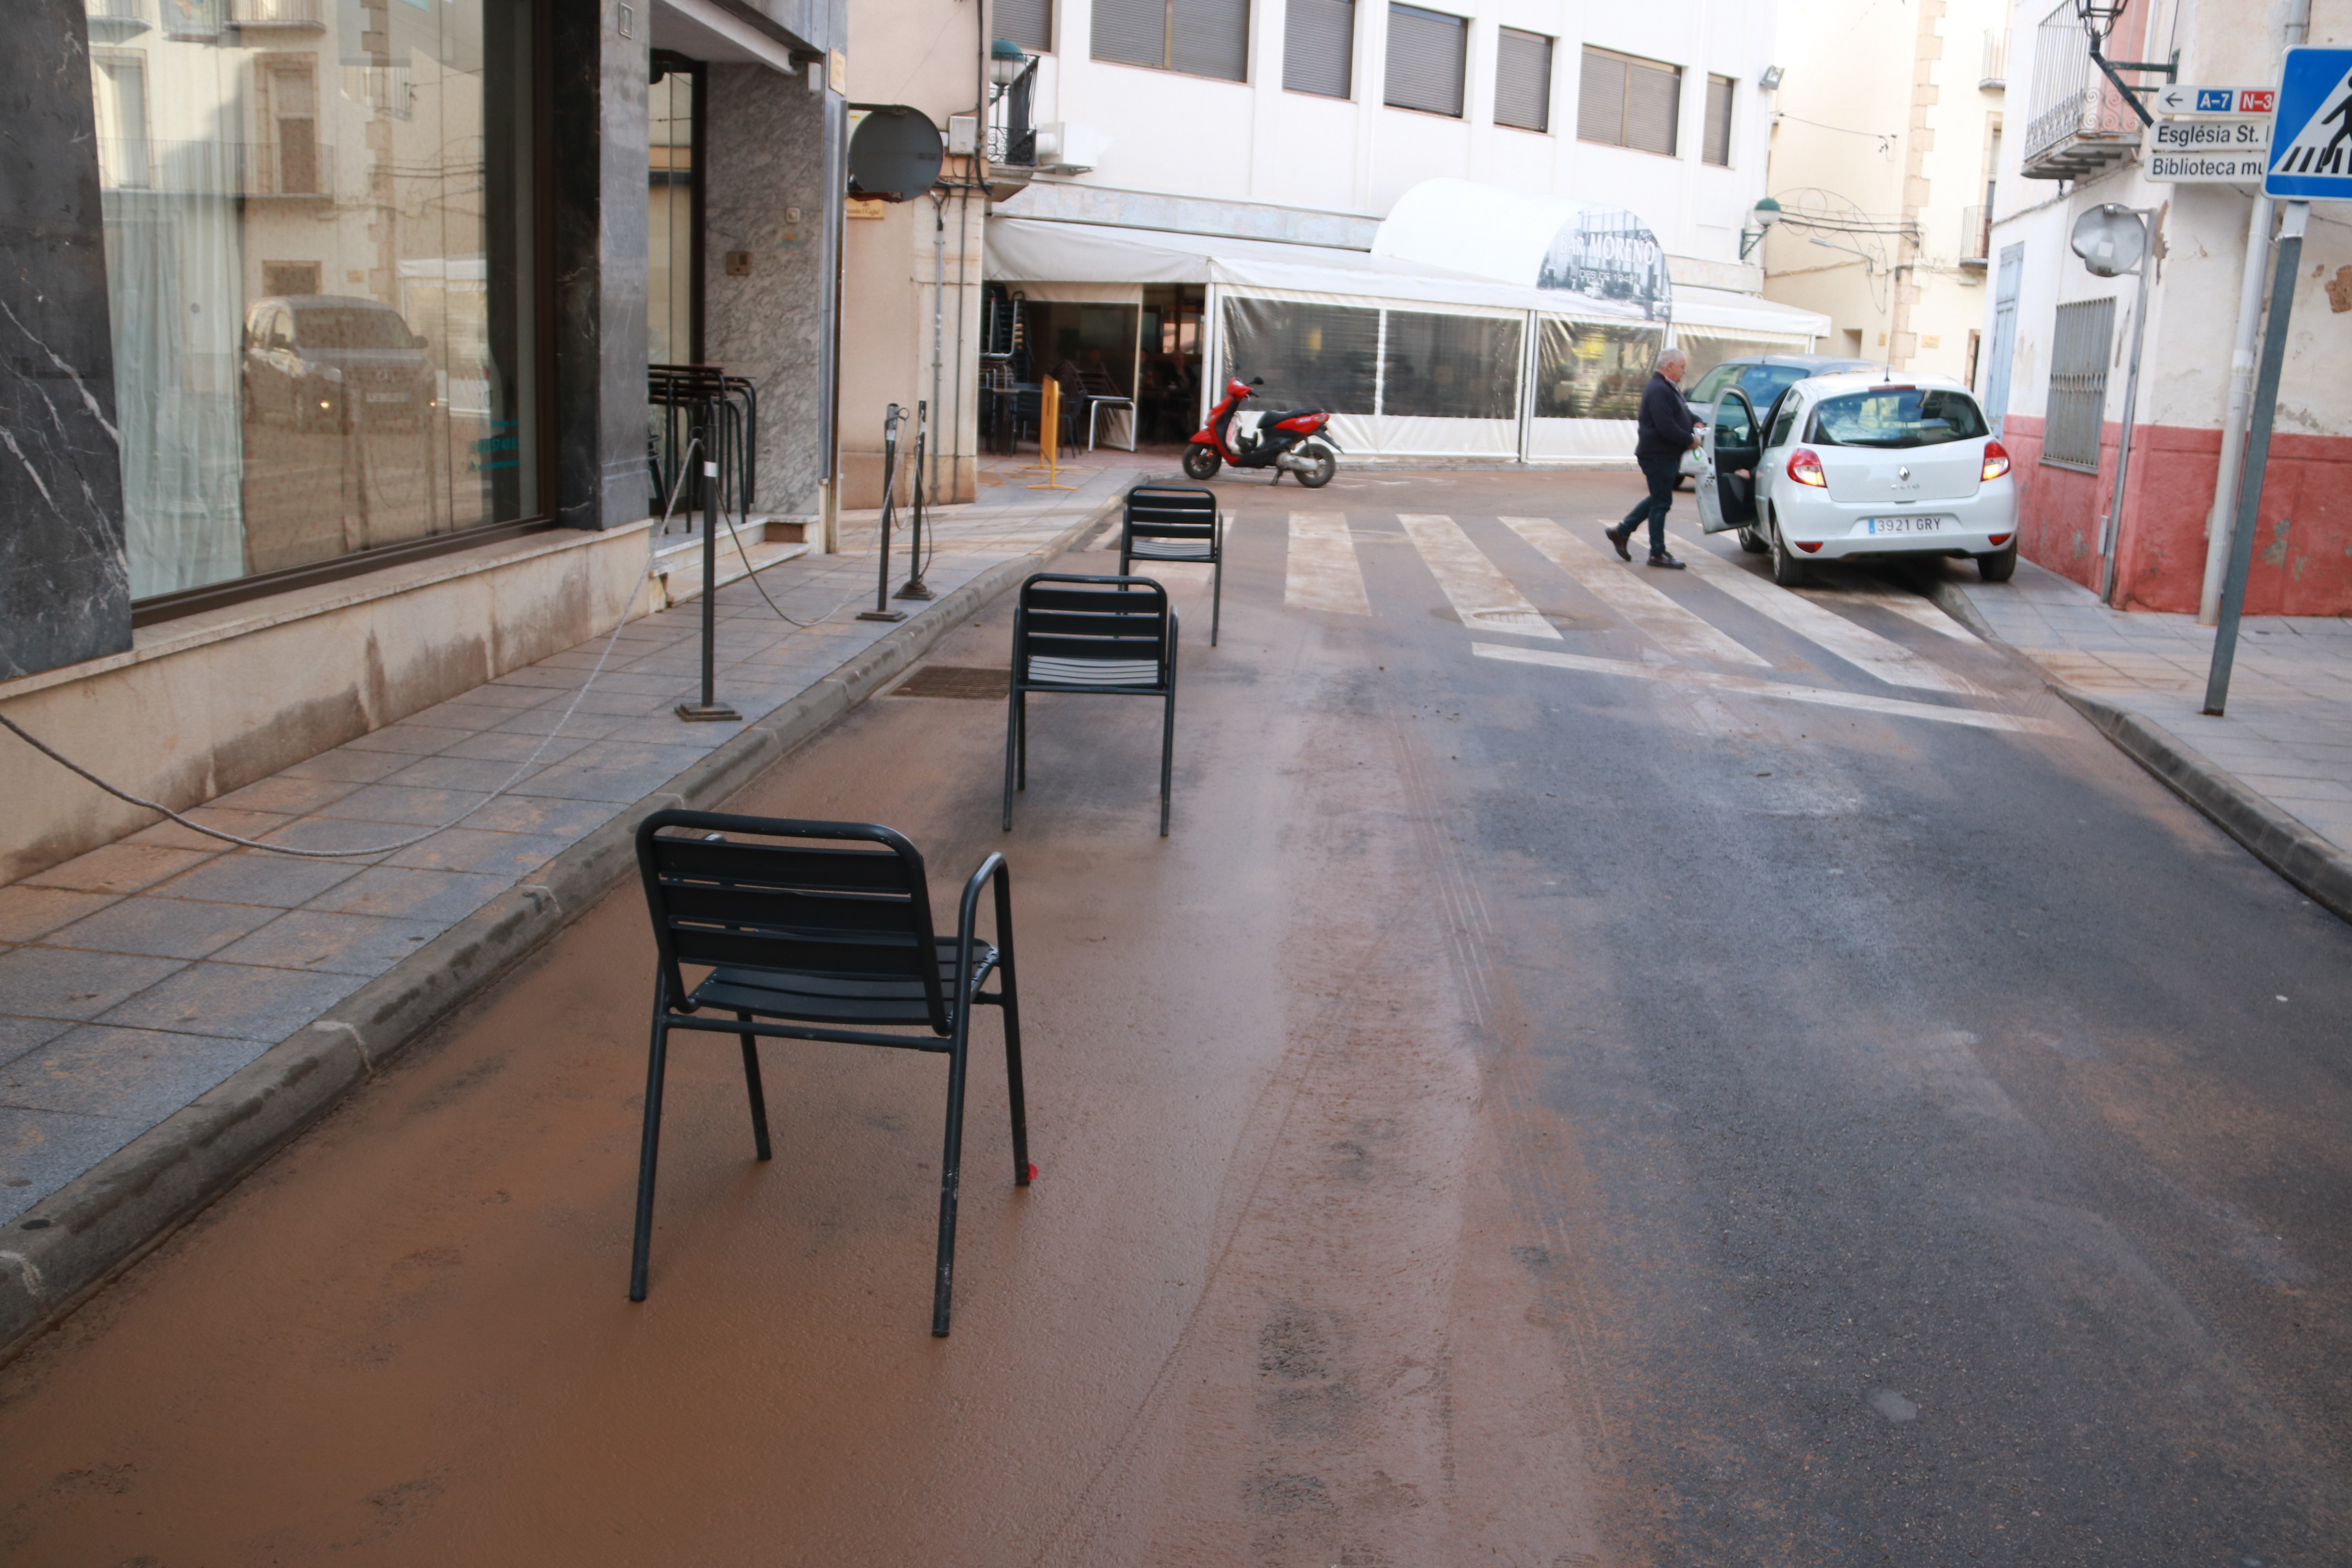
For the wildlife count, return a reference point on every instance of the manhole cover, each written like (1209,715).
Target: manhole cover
(975,682)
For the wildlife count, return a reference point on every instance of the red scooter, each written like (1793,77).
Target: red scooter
(1295,442)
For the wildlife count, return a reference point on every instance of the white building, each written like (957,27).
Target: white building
(1228,142)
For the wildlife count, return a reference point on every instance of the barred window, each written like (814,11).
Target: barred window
(1427,50)
(1199,37)
(1523,80)
(1318,47)
(1028,23)
(1718,147)
(1629,102)
(2078,385)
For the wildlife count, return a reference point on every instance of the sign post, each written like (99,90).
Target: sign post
(2311,160)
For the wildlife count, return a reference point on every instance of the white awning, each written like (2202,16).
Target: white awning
(1033,250)
(1720,313)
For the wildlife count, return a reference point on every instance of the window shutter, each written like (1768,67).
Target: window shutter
(1028,23)
(1719,122)
(1600,99)
(1210,37)
(1426,60)
(1318,47)
(1523,80)
(1654,102)
(1134,32)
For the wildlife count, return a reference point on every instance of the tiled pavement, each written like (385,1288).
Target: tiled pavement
(138,976)
(2288,733)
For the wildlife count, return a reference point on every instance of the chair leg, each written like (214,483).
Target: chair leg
(1216,592)
(1021,729)
(1012,739)
(1009,1002)
(950,1155)
(751,1086)
(649,1151)
(1167,757)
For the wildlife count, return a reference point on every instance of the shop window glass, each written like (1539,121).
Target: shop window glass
(1451,367)
(1312,356)
(318,265)
(1588,371)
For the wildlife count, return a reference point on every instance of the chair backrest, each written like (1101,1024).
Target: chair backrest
(1092,631)
(808,908)
(1172,512)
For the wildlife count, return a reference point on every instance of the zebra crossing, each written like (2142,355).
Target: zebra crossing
(1681,644)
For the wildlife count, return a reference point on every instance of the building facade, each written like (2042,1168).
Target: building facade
(2056,368)
(1887,140)
(330,324)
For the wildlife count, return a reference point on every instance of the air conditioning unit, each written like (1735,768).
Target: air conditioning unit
(1066,149)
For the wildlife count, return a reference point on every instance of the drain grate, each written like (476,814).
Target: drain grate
(972,682)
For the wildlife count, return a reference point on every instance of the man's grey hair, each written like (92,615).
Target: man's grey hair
(1671,356)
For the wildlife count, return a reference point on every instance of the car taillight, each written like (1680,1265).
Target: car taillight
(1996,461)
(1806,468)
(1808,549)
(1999,540)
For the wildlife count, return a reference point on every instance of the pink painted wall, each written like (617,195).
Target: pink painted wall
(2303,551)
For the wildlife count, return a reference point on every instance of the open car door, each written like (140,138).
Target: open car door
(1726,479)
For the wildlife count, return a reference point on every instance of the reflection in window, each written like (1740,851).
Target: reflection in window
(671,337)
(1451,367)
(317,228)
(1312,356)
(1587,371)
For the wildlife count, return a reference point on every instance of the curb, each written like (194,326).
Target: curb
(2316,868)
(74,1242)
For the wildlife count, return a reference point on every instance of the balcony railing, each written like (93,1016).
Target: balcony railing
(1995,75)
(306,14)
(1976,235)
(2080,123)
(112,21)
(1012,141)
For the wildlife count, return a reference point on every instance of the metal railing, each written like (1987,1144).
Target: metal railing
(1976,235)
(2073,100)
(1995,73)
(1011,139)
(277,12)
(112,21)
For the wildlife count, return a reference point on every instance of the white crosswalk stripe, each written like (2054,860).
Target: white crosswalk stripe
(1644,607)
(1479,593)
(1910,606)
(1888,660)
(1716,680)
(1323,573)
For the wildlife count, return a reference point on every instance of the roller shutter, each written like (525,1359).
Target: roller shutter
(1426,54)
(1318,47)
(1523,80)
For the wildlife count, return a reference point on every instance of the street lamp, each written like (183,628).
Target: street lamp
(1765,214)
(1006,64)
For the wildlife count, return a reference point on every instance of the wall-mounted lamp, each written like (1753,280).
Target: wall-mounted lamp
(1767,213)
(1006,64)
(1769,78)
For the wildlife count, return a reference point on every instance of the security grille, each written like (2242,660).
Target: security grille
(1717,148)
(1426,53)
(1318,47)
(1629,102)
(1200,37)
(2078,385)
(1028,23)
(1523,80)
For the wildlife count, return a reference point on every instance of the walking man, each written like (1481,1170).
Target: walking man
(1667,429)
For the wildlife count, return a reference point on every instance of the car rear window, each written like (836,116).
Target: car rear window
(1896,417)
(1763,383)
(351,326)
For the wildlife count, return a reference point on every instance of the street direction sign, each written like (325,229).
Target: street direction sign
(2311,153)
(2220,168)
(2186,100)
(2211,135)
(2210,151)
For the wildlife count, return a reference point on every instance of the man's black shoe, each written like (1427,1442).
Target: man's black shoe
(1618,540)
(1668,562)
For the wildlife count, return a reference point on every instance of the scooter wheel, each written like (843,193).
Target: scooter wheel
(1321,466)
(1202,462)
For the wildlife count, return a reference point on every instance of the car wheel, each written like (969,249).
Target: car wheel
(1786,570)
(1999,566)
(1202,462)
(1753,542)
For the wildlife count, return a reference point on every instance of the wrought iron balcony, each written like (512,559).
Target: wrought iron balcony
(2080,123)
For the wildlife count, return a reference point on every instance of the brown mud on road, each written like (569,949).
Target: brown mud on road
(1274,1298)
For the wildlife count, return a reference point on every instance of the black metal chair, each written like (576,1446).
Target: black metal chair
(1168,522)
(1111,635)
(817,941)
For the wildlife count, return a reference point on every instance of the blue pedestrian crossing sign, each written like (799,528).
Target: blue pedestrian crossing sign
(2311,140)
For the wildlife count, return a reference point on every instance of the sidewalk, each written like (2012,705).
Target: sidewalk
(172,1007)
(2276,772)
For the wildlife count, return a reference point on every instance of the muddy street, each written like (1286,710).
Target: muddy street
(1608,1068)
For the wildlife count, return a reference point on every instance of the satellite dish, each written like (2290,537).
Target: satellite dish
(894,154)
(2110,239)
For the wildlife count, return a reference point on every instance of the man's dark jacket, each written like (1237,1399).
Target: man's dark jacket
(1665,422)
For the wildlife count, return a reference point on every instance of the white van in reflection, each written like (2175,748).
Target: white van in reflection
(334,362)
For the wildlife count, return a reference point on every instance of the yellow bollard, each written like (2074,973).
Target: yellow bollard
(1049,435)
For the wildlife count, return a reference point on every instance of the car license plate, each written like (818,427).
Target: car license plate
(387,397)
(1903,524)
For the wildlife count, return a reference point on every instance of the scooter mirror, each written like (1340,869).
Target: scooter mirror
(1257,381)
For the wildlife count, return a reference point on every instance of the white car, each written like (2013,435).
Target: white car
(1859,464)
